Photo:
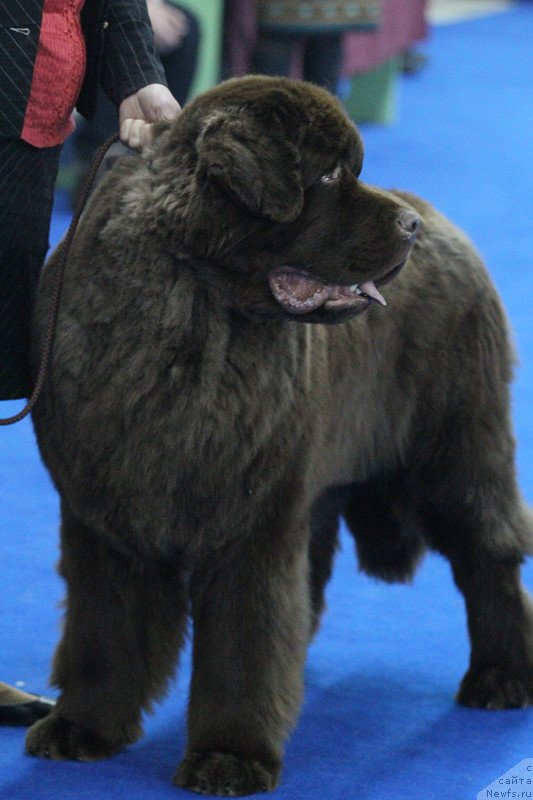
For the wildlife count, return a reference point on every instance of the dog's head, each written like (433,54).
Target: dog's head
(268,204)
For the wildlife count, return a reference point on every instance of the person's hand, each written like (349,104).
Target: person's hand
(139,111)
(169,25)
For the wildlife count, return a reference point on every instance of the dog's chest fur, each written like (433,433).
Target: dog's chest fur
(187,441)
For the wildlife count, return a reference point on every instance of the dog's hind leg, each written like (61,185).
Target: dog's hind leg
(388,534)
(123,628)
(474,516)
(250,609)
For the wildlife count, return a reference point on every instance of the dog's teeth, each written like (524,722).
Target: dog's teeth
(355,288)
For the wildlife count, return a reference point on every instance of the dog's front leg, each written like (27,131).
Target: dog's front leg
(251,625)
(124,625)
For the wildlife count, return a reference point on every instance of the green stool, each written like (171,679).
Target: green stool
(209,14)
(373,96)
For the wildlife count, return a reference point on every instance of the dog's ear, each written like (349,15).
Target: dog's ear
(255,162)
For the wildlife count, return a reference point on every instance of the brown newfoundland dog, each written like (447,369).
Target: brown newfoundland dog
(205,436)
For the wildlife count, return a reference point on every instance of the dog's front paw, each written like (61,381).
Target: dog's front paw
(496,688)
(57,738)
(226,775)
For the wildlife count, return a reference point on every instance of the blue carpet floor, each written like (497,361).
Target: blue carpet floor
(379,721)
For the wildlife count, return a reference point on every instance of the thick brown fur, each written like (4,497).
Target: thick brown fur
(204,439)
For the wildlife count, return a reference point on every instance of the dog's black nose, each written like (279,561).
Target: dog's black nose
(408,222)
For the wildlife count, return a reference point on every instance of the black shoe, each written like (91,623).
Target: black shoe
(413,61)
(26,713)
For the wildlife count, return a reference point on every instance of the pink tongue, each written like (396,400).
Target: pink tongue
(301,294)
(370,289)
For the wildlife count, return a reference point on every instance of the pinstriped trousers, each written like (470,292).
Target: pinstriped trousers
(27,178)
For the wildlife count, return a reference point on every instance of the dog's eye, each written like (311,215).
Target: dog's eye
(330,177)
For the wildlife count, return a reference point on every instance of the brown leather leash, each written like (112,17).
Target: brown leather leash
(58,283)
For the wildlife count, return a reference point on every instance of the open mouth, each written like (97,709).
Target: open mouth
(301,293)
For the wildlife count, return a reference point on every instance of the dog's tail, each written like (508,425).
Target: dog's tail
(389,539)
